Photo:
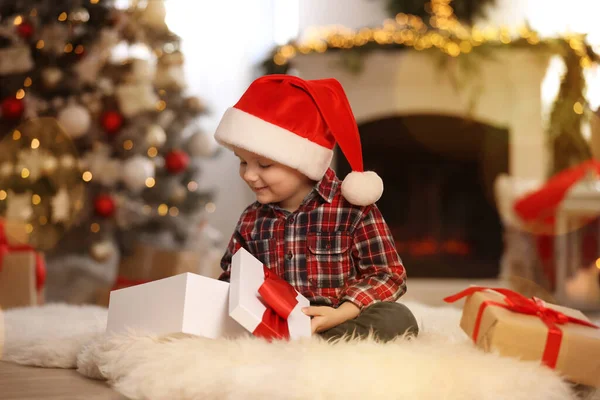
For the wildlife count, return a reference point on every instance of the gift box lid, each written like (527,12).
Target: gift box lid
(263,303)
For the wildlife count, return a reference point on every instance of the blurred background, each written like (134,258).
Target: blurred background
(481,116)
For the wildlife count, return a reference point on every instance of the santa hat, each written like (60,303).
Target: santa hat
(297,123)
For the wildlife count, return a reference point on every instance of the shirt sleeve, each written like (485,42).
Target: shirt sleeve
(233,246)
(380,274)
(235,243)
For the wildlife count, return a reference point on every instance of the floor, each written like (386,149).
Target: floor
(21,382)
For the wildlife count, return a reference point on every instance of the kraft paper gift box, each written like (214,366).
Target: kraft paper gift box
(505,322)
(22,269)
(1,332)
(263,303)
(185,303)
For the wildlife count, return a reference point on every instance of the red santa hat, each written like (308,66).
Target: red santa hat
(297,123)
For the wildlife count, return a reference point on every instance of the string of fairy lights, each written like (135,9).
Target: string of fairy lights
(446,34)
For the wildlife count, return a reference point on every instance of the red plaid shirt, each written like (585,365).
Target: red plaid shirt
(330,250)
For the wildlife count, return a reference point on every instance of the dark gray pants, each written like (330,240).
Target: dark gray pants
(386,320)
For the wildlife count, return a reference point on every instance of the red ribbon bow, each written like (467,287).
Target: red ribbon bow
(6,248)
(280,299)
(518,303)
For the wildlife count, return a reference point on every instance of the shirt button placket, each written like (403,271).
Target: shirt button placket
(290,220)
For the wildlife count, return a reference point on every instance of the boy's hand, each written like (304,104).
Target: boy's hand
(325,318)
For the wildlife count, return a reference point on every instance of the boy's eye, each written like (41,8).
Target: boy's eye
(264,165)
(242,162)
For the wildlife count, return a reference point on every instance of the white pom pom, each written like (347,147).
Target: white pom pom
(362,188)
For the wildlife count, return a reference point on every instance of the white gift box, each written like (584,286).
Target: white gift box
(186,303)
(248,307)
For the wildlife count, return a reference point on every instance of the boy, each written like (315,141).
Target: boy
(325,237)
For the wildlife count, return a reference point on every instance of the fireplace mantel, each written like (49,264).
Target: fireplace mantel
(506,91)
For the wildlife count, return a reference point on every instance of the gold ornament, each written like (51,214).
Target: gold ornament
(102,251)
(40,190)
(179,194)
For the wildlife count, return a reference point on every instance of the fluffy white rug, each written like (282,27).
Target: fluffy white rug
(440,364)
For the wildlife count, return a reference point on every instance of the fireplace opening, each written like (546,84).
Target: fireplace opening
(438,201)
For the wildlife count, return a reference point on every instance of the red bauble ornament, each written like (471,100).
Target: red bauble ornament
(12,108)
(25,30)
(104,205)
(176,161)
(112,121)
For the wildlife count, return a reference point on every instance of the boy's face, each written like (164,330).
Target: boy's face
(271,182)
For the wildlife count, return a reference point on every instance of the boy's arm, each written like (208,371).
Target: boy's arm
(380,275)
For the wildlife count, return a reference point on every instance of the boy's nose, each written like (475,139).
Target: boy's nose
(250,175)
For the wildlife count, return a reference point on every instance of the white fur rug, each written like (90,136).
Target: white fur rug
(440,364)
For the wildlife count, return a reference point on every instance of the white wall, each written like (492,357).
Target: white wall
(349,13)
(222,41)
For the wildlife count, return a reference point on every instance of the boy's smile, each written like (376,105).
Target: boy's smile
(273,183)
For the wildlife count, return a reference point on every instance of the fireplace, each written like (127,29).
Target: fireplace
(438,173)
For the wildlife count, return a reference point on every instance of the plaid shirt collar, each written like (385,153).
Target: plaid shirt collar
(327,187)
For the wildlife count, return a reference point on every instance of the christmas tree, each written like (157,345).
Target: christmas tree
(93,106)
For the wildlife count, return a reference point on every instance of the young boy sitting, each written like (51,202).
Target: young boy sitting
(327,238)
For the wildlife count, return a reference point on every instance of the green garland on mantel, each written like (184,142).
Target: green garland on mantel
(566,143)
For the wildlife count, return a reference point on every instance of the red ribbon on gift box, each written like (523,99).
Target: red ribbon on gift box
(518,303)
(6,248)
(280,299)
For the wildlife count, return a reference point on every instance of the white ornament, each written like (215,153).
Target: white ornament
(201,145)
(51,76)
(135,172)
(60,206)
(103,250)
(136,98)
(75,119)
(156,135)
(18,206)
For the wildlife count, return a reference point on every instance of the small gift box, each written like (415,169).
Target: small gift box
(22,269)
(510,324)
(263,303)
(149,263)
(186,303)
